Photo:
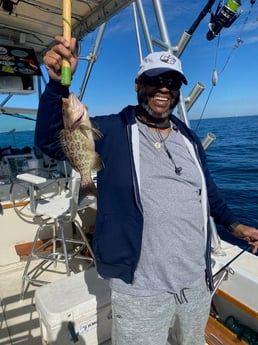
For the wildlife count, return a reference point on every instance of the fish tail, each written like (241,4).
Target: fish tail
(87,188)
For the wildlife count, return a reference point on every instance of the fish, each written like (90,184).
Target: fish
(77,140)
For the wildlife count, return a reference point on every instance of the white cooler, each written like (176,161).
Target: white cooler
(75,310)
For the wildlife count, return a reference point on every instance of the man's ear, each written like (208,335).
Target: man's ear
(136,85)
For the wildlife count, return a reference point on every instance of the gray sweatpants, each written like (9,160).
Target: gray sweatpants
(161,319)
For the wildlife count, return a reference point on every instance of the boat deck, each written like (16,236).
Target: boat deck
(19,318)
(19,321)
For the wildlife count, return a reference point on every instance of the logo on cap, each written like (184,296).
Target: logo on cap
(168,59)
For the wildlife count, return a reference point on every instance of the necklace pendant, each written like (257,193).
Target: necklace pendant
(157,144)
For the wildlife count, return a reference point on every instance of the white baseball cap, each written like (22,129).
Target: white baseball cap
(160,62)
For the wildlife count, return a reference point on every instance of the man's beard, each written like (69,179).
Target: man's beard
(143,102)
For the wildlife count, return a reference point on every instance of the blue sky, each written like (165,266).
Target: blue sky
(111,85)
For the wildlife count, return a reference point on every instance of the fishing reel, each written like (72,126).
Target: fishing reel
(224,16)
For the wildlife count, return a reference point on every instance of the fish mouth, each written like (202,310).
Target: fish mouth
(79,120)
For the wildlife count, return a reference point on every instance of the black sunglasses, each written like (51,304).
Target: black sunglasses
(158,82)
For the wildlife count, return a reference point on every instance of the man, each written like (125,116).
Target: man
(152,234)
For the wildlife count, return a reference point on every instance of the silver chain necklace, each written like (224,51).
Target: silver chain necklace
(157,142)
(162,140)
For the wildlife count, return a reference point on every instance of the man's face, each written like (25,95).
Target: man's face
(158,95)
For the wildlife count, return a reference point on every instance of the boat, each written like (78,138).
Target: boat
(234,310)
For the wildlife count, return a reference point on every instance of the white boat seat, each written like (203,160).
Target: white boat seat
(59,209)
(60,205)
(31,178)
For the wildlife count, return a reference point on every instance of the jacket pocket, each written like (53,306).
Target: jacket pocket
(117,239)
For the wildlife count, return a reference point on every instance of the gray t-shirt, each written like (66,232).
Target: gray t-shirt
(173,244)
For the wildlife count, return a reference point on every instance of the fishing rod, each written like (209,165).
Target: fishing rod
(246,249)
(205,10)
(224,17)
(187,34)
(67,27)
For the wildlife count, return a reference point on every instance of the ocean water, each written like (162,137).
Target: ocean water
(17,139)
(233,163)
(232,159)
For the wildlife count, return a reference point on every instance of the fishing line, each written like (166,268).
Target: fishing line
(204,108)
(238,43)
(214,83)
(239,40)
(246,249)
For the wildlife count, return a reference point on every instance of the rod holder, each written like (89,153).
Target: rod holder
(208,140)
(194,95)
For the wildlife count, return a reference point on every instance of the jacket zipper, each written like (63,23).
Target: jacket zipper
(135,183)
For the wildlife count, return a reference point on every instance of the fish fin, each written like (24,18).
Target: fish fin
(85,127)
(98,163)
(96,134)
(61,135)
(84,130)
(86,189)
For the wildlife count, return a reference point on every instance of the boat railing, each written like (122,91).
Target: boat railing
(215,240)
(12,165)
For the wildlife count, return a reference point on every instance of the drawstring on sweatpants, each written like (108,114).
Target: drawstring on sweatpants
(180,298)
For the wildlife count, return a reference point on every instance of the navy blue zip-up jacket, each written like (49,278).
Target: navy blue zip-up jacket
(119,220)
